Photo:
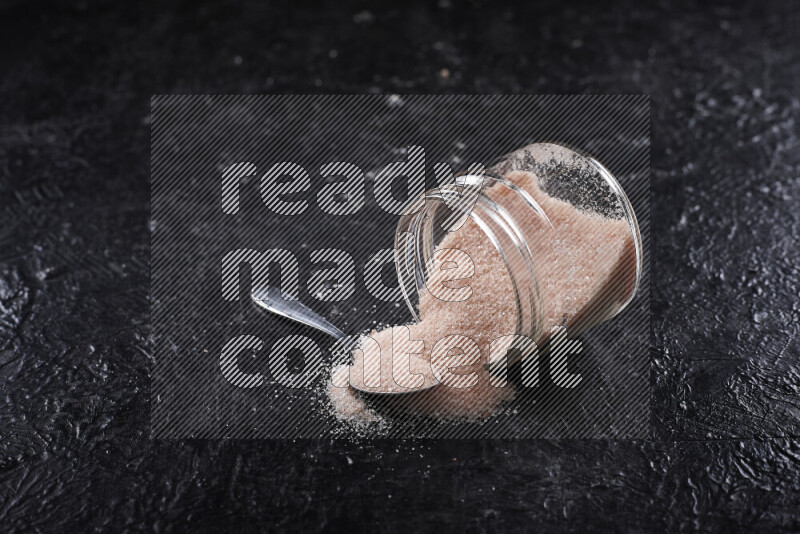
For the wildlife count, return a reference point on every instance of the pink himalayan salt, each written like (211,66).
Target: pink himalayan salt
(582,264)
(348,406)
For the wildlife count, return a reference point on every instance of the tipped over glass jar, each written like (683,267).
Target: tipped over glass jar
(544,239)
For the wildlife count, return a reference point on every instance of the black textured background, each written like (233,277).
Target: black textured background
(75,452)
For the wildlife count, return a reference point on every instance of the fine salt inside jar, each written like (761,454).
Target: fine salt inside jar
(560,223)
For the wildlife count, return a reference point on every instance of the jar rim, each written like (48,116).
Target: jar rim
(415,246)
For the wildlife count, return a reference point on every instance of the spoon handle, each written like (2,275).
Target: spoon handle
(270,299)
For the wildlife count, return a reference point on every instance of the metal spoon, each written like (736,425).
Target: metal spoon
(270,299)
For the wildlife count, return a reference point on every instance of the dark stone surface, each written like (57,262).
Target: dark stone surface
(75,452)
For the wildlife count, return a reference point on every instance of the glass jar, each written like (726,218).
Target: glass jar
(561,223)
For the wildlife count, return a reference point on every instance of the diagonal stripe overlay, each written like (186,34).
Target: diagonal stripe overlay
(304,192)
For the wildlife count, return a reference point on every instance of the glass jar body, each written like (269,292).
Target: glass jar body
(565,230)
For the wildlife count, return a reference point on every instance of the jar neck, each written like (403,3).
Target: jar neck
(423,226)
